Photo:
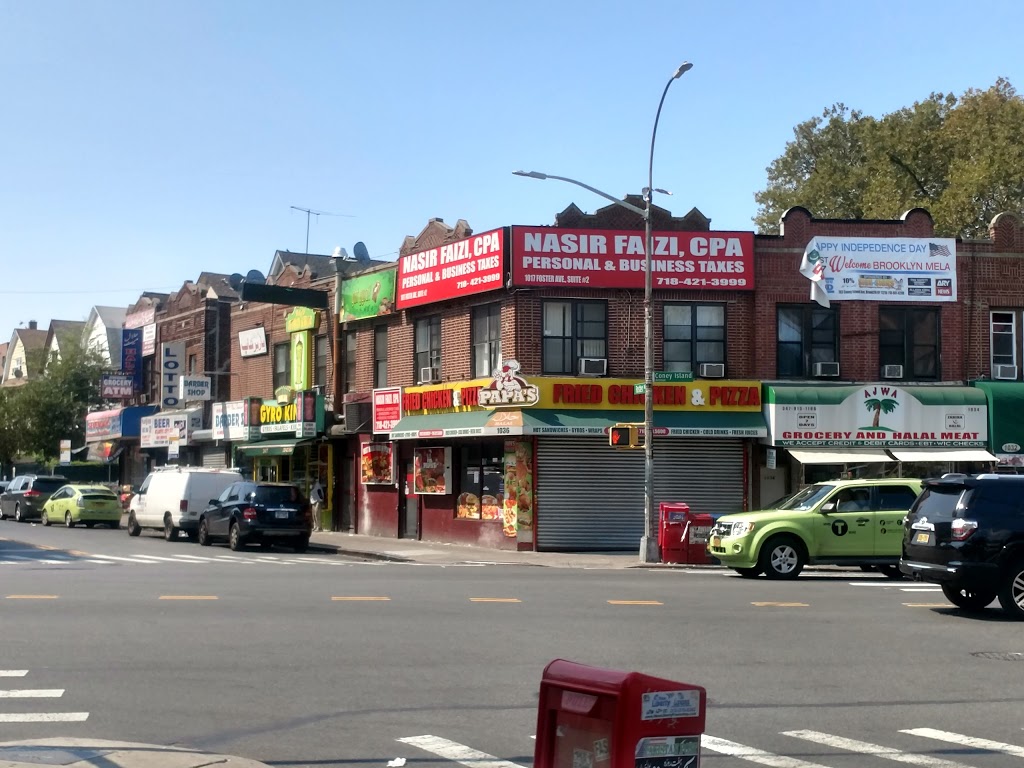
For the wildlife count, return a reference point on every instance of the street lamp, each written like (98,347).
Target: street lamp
(649,543)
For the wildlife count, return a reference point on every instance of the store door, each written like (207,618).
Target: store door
(409,512)
(348,494)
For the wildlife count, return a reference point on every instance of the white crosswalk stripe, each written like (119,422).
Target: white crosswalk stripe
(753,755)
(35,693)
(181,559)
(967,741)
(876,750)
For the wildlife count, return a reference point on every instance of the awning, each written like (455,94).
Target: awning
(1005,419)
(273,447)
(463,424)
(711,423)
(105,452)
(954,454)
(840,457)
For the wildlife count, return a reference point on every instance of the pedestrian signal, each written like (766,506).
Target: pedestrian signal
(624,436)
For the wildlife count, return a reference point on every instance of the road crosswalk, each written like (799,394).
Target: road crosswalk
(48,557)
(13,677)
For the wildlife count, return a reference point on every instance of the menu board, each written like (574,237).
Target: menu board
(432,471)
(377,463)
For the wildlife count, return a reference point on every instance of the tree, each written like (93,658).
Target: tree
(962,159)
(10,425)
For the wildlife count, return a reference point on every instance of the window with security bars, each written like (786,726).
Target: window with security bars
(1003,344)
(693,334)
(806,334)
(486,331)
(908,337)
(572,331)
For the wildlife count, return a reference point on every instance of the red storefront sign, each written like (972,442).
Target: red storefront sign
(471,265)
(387,408)
(599,258)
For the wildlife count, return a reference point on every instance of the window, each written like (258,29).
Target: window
(807,334)
(693,334)
(480,482)
(281,355)
(1003,328)
(895,497)
(350,361)
(428,347)
(909,337)
(192,364)
(320,364)
(380,356)
(486,339)
(573,330)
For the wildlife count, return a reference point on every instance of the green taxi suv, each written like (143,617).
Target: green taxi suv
(80,503)
(840,522)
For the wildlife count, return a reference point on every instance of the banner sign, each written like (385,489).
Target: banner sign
(387,409)
(172,365)
(195,387)
(468,266)
(882,269)
(131,356)
(252,342)
(432,471)
(367,296)
(148,339)
(598,258)
(377,463)
(116,386)
(167,429)
(231,421)
(103,425)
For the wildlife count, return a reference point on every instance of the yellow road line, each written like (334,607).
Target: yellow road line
(32,597)
(781,605)
(187,597)
(928,605)
(635,602)
(495,600)
(359,598)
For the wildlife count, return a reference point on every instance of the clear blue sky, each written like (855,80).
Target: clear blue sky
(144,142)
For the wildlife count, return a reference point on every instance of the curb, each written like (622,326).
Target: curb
(97,753)
(368,555)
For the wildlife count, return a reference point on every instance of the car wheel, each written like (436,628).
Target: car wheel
(235,541)
(301,545)
(134,529)
(1011,591)
(782,557)
(968,599)
(68,520)
(170,532)
(17,514)
(46,520)
(203,536)
(748,573)
(892,572)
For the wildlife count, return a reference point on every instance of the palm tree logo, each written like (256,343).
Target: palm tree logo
(880,406)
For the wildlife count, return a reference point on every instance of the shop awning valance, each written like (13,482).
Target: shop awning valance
(840,457)
(273,447)
(1005,419)
(934,454)
(833,394)
(463,424)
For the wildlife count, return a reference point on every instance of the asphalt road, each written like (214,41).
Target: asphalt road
(320,660)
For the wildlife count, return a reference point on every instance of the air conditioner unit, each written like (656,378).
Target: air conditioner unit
(143,399)
(712,370)
(430,375)
(593,366)
(826,369)
(1004,372)
(892,371)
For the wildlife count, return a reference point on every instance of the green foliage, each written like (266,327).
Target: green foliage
(10,425)
(962,159)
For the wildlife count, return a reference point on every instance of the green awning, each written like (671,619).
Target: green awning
(1005,419)
(835,394)
(666,423)
(463,424)
(272,447)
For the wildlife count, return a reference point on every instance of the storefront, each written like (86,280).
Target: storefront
(113,437)
(168,437)
(526,464)
(1005,423)
(823,432)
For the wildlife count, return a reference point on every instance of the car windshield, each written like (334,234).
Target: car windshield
(47,484)
(277,494)
(805,498)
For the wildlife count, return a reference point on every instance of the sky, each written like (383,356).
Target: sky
(142,143)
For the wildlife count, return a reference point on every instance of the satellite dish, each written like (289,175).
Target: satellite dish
(360,252)
(337,252)
(235,281)
(254,276)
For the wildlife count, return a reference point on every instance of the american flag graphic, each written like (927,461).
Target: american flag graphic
(938,250)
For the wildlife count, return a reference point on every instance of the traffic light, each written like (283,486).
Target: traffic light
(624,436)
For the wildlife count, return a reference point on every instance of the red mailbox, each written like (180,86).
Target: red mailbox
(672,516)
(695,538)
(589,717)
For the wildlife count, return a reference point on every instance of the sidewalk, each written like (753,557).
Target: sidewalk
(100,753)
(435,553)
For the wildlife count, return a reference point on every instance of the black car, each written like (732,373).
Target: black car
(262,513)
(966,533)
(24,497)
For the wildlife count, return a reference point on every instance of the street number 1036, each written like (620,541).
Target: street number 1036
(504,430)
(699,282)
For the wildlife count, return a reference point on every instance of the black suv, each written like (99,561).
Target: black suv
(966,533)
(23,499)
(258,512)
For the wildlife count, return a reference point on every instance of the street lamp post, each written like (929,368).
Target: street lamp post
(649,543)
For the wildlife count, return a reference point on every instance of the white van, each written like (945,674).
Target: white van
(172,498)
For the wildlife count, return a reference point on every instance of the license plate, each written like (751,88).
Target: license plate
(922,537)
(281,514)
(716,541)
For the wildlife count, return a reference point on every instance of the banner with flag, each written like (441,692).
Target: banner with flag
(897,269)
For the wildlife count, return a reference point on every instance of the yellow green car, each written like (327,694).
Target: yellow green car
(82,503)
(840,522)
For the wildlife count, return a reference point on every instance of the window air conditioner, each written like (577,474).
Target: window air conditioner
(892,372)
(1004,372)
(593,366)
(826,369)
(430,375)
(143,399)
(712,370)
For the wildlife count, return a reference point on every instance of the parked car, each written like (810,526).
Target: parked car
(83,503)
(841,522)
(966,533)
(262,513)
(172,498)
(25,496)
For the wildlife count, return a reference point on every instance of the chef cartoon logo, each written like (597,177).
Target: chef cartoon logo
(508,389)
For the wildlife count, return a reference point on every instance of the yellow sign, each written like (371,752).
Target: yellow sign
(302,319)
(302,370)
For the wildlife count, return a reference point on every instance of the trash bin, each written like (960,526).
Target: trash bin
(695,538)
(672,520)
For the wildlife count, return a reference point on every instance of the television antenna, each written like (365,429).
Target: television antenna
(312,212)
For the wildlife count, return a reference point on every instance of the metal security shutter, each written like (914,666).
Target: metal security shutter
(213,456)
(704,472)
(589,496)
